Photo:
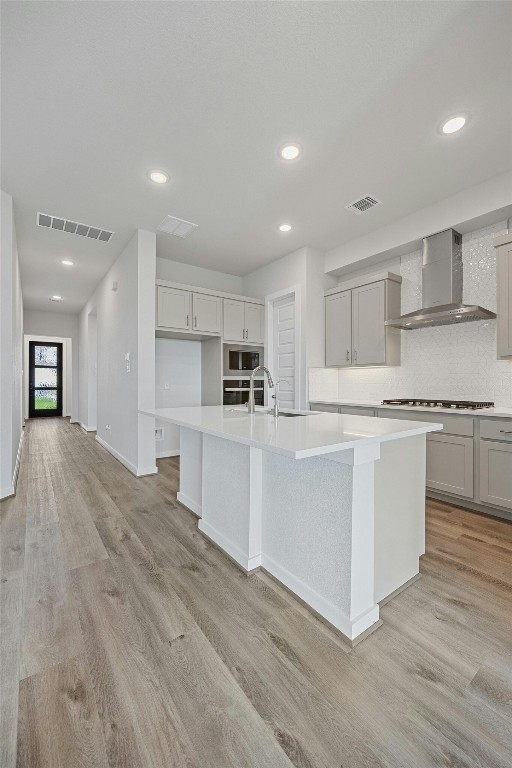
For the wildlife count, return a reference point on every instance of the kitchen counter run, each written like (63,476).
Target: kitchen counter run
(500,412)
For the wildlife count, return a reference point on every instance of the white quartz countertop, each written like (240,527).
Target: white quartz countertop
(311,434)
(499,412)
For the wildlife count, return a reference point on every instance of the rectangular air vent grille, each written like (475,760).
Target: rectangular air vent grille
(363,204)
(73,227)
(177,227)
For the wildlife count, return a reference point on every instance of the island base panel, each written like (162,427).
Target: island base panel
(191,470)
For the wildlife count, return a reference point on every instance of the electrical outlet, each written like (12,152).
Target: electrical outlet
(127,361)
(159,433)
(167,385)
(107,427)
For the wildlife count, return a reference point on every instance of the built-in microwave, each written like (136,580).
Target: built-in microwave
(243,360)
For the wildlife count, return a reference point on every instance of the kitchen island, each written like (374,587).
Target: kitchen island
(331,506)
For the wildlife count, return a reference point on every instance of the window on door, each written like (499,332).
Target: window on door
(45,379)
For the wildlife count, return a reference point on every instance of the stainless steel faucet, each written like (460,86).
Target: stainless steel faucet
(275,396)
(250,403)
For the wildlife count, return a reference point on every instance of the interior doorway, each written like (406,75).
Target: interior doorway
(284,344)
(45,379)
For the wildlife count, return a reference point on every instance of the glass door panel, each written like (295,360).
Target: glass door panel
(45,379)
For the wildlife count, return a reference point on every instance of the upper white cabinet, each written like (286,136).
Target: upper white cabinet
(368,329)
(244,321)
(234,320)
(254,323)
(188,311)
(338,329)
(503,246)
(206,313)
(174,308)
(355,316)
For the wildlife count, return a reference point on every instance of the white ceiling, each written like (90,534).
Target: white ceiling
(96,93)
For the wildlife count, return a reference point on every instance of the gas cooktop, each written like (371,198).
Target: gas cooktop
(439,403)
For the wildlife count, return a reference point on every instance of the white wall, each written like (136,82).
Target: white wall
(178,383)
(62,325)
(124,306)
(177,272)
(11,351)
(481,203)
(454,362)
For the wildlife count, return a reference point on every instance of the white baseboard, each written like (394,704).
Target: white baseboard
(138,472)
(228,546)
(189,503)
(351,628)
(71,421)
(85,428)
(167,454)
(10,490)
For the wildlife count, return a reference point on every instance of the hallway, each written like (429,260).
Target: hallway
(129,641)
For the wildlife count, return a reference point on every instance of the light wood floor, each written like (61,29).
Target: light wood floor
(128,640)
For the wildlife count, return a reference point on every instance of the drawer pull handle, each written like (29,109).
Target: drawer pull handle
(506,431)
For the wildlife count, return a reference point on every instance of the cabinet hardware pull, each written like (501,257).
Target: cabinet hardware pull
(195,321)
(348,355)
(355,354)
(188,320)
(506,431)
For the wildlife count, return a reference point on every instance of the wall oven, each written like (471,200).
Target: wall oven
(236,392)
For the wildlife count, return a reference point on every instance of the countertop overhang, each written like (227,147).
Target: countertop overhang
(312,434)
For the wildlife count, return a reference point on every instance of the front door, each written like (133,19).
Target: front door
(45,379)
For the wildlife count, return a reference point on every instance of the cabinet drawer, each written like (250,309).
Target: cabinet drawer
(324,407)
(355,411)
(452,425)
(496,473)
(450,464)
(496,429)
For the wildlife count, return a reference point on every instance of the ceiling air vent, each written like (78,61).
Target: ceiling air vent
(363,204)
(73,227)
(177,227)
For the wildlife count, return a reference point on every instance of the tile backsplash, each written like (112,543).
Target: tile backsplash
(453,362)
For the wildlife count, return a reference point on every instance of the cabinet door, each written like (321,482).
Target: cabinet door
(255,323)
(173,308)
(450,464)
(324,407)
(338,330)
(504,277)
(368,330)
(496,473)
(356,411)
(234,320)
(206,313)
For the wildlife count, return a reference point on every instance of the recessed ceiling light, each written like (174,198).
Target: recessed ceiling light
(67,262)
(55,298)
(159,177)
(290,151)
(285,227)
(454,124)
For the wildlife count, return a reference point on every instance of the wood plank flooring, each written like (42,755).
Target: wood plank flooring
(129,641)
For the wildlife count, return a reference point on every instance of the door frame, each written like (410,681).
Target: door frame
(270,300)
(32,412)
(66,370)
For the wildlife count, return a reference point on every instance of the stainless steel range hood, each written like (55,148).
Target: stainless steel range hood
(442,287)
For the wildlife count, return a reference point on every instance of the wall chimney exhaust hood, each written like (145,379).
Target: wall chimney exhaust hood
(441,287)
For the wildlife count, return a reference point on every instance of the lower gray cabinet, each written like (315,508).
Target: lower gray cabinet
(496,473)
(325,407)
(450,464)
